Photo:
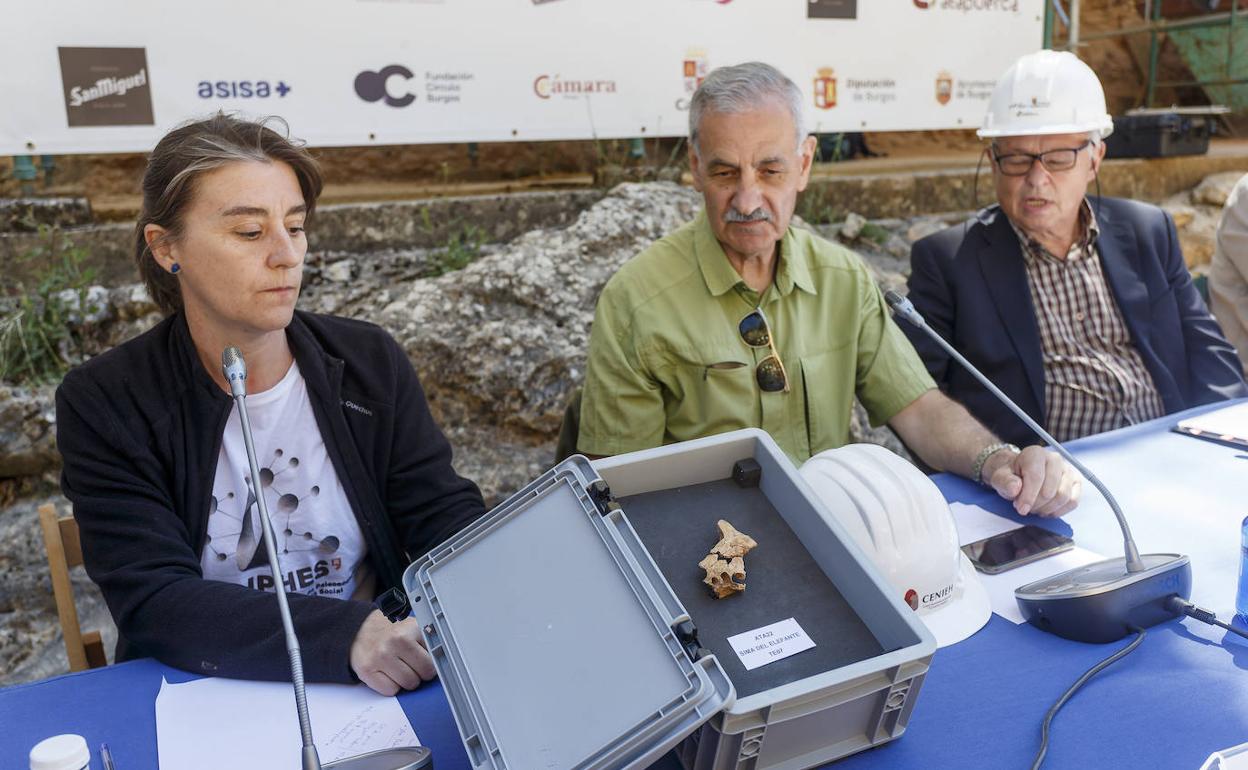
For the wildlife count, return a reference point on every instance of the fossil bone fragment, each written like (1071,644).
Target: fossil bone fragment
(725,565)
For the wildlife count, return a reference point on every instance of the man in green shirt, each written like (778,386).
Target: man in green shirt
(739,320)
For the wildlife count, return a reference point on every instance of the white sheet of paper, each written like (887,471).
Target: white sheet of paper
(1231,421)
(1001,587)
(975,523)
(213,723)
(770,643)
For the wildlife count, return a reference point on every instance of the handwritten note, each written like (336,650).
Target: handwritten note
(770,643)
(213,723)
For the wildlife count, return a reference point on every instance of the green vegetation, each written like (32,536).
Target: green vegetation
(874,233)
(40,324)
(462,247)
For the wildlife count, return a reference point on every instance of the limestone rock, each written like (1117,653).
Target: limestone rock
(27,431)
(25,215)
(852,227)
(341,271)
(1214,189)
(923,228)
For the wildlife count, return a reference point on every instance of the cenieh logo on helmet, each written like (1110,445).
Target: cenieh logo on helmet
(936,598)
(912,599)
(546,86)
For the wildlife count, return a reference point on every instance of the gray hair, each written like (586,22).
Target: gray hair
(744,88)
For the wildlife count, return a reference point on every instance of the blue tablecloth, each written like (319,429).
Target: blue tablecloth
(1180,696)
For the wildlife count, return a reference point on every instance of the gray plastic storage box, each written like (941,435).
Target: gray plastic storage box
(571,628)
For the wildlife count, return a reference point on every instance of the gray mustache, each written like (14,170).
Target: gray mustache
(757,215)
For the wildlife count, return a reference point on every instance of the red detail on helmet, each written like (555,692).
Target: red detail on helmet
(912,598)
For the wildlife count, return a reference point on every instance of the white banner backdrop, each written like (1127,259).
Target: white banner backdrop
(115,75)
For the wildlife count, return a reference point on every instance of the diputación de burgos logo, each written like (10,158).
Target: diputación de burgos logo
(106,86)
(825,88)
(546,86)
(969,6)
(694,69)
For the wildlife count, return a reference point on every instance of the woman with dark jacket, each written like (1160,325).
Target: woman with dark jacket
(356,474)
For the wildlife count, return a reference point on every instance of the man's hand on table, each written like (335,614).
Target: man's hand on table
(389,657)
(1035,480)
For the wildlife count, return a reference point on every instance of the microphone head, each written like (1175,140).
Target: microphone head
(893,298)
(235,370)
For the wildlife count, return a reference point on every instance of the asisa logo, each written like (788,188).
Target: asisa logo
(241,89)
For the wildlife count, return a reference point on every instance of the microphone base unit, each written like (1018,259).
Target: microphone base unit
(1100,602)
(407,758)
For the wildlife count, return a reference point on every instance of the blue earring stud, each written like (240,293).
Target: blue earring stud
(176,267)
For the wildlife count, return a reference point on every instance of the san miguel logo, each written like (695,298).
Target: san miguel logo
(832,9)
(106,87)
(825,89)
(944,88)
(546,86)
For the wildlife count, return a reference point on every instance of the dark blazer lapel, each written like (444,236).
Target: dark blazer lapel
(1115,245)
(1001,261)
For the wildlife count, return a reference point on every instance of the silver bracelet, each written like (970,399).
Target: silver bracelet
(977,469)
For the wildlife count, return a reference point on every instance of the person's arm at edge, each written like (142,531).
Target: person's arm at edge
(1214,369)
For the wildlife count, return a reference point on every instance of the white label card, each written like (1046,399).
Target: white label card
(770,643)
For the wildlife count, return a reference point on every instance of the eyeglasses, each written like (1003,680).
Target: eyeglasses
(757,334)
(1019,163)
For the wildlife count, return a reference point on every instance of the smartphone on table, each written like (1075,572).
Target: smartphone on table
(1015,548)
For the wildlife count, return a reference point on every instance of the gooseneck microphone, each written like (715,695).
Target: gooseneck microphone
(1098,602)
(407,758)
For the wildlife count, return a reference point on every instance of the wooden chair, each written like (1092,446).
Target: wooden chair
(60,539)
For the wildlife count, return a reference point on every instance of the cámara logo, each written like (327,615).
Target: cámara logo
(380,86)
(546,86)
(825,89)
(106,86)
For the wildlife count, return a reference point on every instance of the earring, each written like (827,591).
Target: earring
(176,267)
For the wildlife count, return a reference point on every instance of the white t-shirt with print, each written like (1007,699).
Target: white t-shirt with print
(319,542)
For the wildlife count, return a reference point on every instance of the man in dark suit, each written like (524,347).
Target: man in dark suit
(1081,310)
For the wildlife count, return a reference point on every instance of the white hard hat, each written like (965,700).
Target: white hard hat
(1047,92)
(900,519)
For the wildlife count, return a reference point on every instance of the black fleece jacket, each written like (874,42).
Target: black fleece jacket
(140,429)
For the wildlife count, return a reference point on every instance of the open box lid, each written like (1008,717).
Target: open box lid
(559,643)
